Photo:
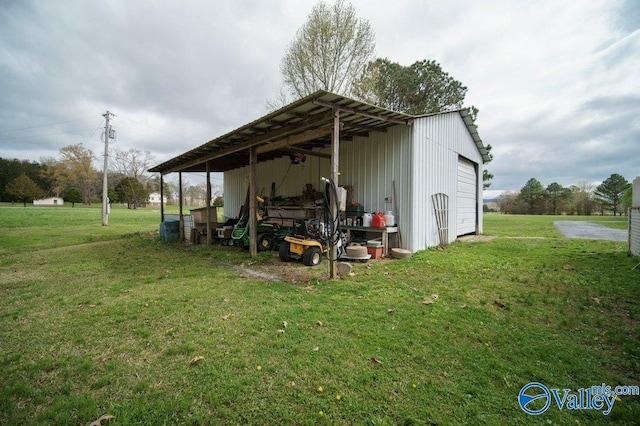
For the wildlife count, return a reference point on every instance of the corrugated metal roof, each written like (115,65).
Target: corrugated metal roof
(309,119)
(304,125)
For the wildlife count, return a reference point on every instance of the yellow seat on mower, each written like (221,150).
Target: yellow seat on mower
(307,249)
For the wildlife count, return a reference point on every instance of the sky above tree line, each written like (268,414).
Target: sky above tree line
(556,82)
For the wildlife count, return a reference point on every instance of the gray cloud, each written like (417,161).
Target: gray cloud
(555,81)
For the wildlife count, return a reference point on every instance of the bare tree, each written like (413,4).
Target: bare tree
(329,52)
(132,163)
(582,196)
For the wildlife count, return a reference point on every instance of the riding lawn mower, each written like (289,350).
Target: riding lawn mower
(313,238)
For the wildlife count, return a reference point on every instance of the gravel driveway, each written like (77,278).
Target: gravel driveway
(591,231)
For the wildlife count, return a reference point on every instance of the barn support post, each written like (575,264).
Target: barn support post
(209,204)
(161,197)
(181,232)
(479,202)
(253,160)
(335,160)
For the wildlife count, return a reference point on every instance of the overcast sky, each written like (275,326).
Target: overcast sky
(557,82)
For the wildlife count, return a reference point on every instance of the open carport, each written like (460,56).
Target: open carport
(389,160)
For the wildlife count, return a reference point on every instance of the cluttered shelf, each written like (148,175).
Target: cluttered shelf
(385,231)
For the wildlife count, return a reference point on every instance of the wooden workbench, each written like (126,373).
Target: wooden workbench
(383,231)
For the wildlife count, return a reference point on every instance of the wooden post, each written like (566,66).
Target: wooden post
(335,159)
(181,232)
(161,197)
(253,160)
(209,204)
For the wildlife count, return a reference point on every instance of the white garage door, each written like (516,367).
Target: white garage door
(466,211)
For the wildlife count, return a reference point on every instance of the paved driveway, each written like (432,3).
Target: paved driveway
(591,231)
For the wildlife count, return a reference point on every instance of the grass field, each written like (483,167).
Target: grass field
(109,321)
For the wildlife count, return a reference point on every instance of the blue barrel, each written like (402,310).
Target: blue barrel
(163,233)
(170,230)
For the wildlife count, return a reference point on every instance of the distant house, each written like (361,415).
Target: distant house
(154,199)
(51,201)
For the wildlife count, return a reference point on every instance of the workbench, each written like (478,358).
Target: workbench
(384,231)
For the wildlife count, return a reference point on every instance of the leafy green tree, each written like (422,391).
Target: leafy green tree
(218,201)
(421,88)
(329,51)
(23,189)
(532,193)
(73,196)
(557,196)
(11,169)
(609,193)
(132,192)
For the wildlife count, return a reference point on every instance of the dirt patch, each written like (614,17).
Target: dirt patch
(257,274)
(293,272)
(475,238)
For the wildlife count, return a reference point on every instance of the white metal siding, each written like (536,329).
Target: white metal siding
(371,165)
(422,160)
(438,141)
(634,219)
(466,212)
(634,231)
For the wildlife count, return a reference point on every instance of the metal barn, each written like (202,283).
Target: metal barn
(391,162)
(634,219)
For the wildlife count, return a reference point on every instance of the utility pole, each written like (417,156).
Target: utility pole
(105,186)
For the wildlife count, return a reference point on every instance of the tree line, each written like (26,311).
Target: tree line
(72,176)
(613,196)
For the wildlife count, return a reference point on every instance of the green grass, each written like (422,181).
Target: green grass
(542,226)
(108,325)
(41,227)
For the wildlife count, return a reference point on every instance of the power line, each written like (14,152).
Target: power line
(163,132)
(45,135)
(94,131)
(45,125)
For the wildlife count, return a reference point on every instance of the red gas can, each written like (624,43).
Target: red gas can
(378,221)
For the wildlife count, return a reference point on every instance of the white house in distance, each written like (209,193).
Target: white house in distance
(393,161)
(154,199)
(50,201)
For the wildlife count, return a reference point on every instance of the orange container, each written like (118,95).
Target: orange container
(375,251)
(378,221)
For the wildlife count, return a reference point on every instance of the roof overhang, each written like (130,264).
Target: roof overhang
(303,126)
(473,131)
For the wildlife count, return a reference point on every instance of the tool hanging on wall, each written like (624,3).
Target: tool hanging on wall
(297,158)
